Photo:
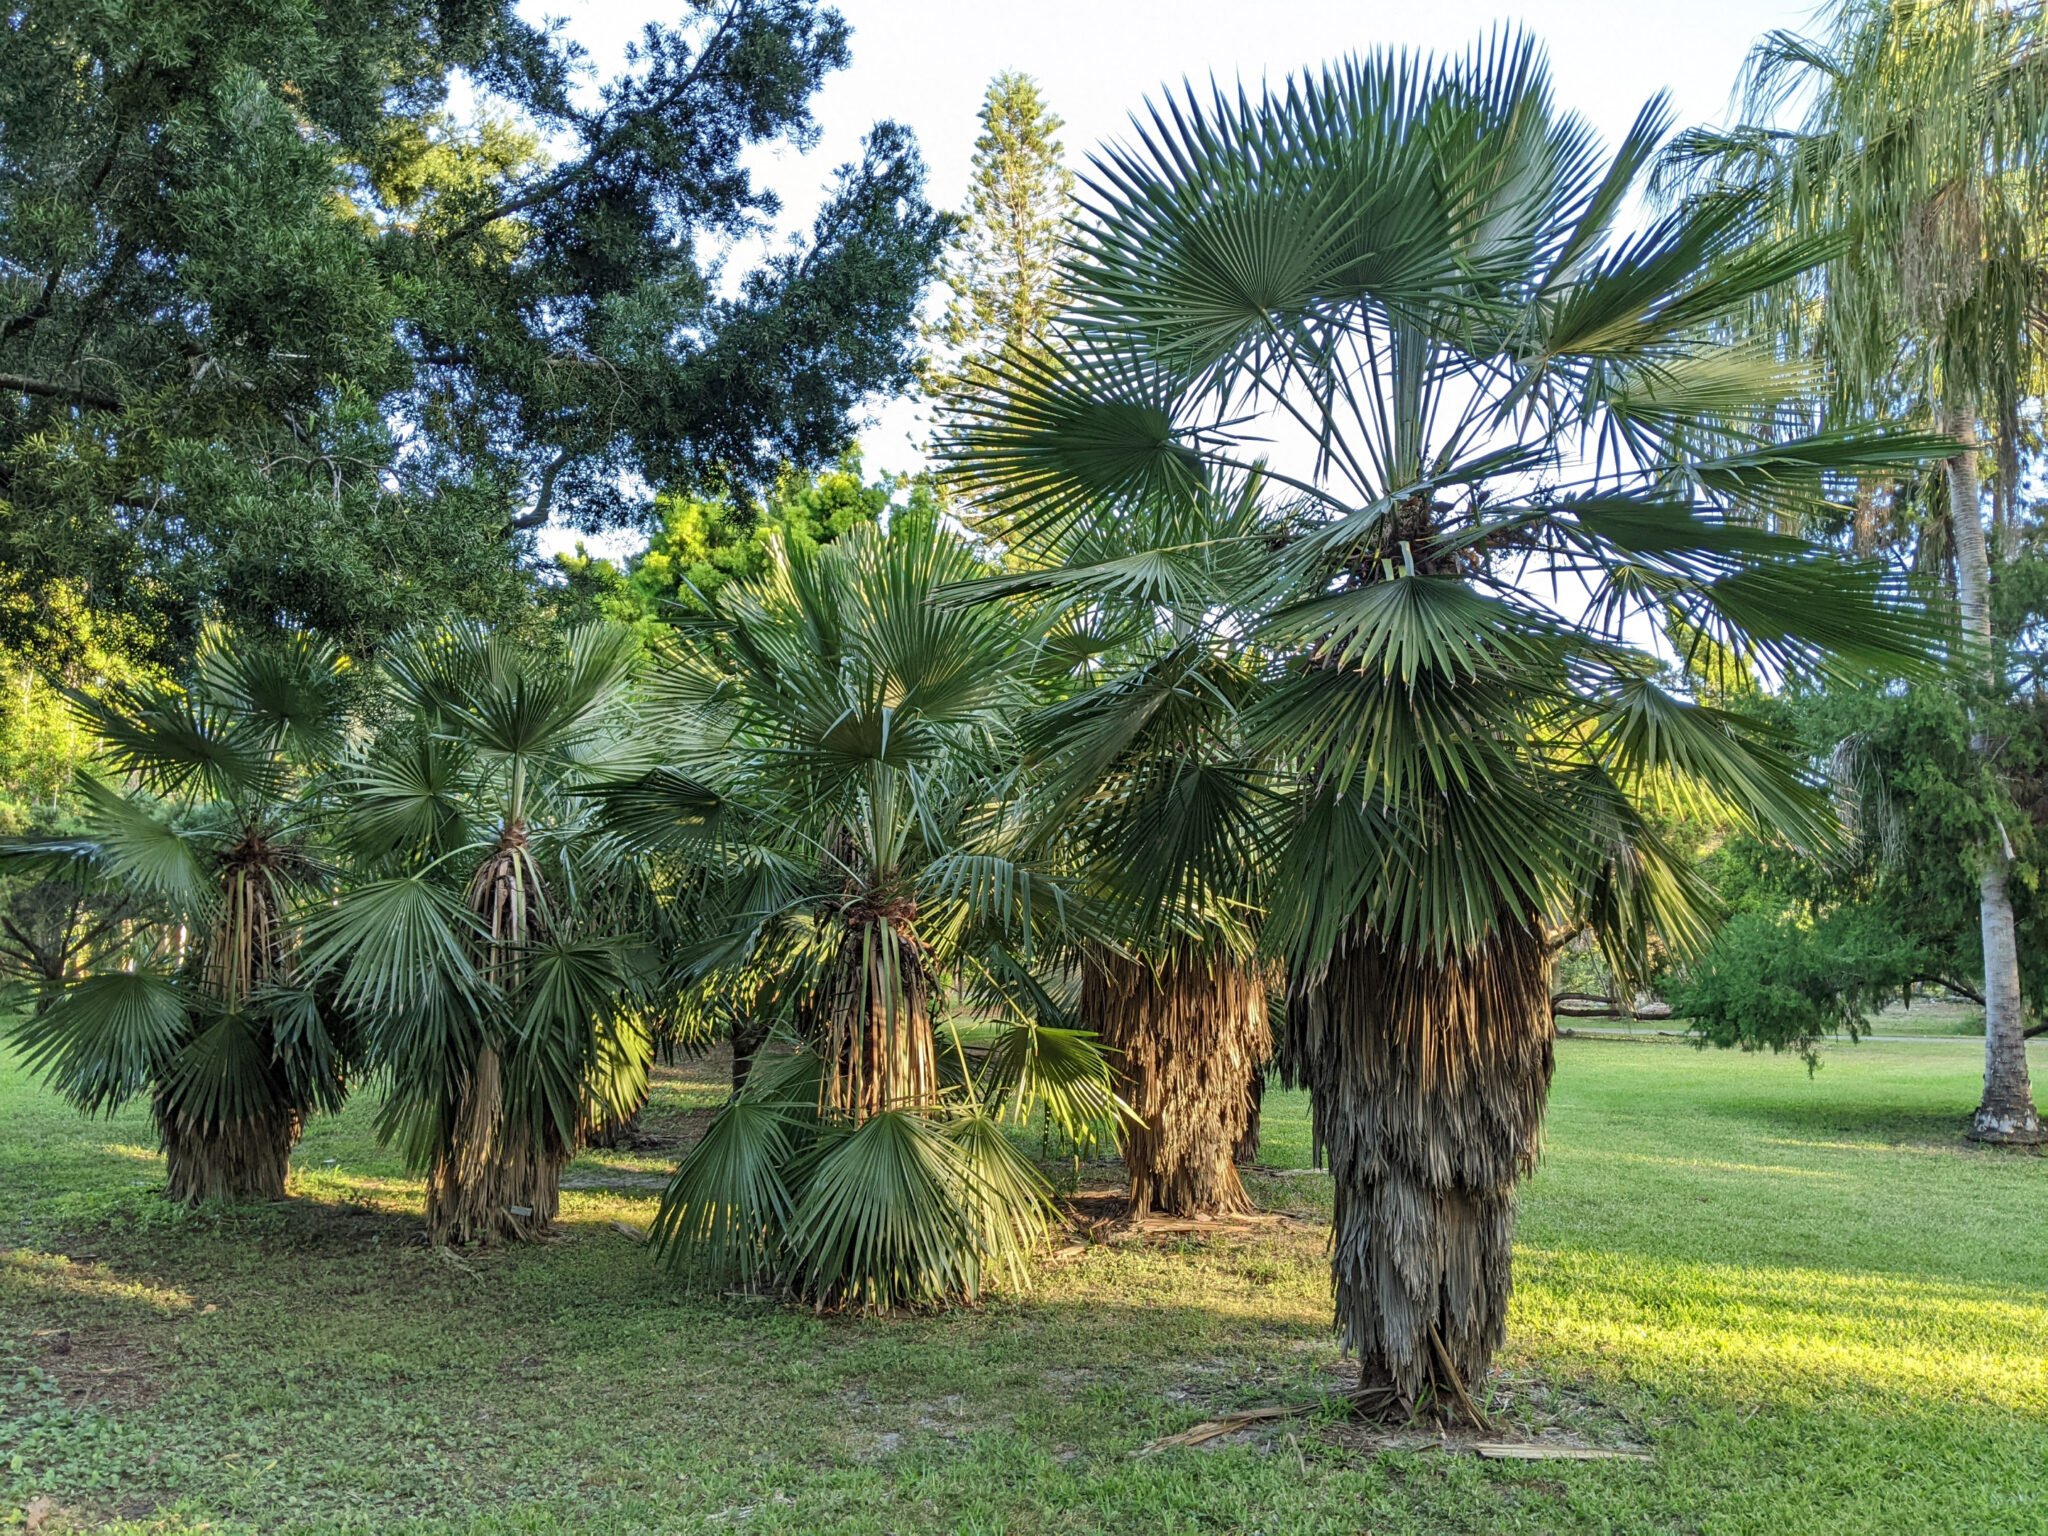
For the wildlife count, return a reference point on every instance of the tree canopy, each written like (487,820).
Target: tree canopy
(283,339)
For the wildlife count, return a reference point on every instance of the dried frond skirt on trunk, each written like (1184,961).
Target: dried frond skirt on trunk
(1429,1076)
(1187,1034)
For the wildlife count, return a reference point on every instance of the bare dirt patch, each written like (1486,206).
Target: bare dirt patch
(99,1367)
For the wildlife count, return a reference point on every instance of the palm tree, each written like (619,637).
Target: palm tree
(1516,440)
(1158,806)
(830,755)
(199,855)
(478,936)
(1924,145)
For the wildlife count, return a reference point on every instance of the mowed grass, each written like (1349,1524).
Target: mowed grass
(1816,1307)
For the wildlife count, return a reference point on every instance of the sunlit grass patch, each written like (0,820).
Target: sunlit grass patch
(1754,1332)
(1818,1314)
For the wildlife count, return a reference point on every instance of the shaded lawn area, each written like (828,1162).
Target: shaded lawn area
(1819,1308)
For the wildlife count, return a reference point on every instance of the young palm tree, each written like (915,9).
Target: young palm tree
(1517,441)
(1160,814)
(478,936)
(202,856)
(831,755)
(1924,146)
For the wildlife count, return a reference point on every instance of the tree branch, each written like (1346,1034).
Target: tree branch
(1952,986)
(545,495)
(36,312)
(21,384)
(568,176)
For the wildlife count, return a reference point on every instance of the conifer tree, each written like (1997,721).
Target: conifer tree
(1003,266)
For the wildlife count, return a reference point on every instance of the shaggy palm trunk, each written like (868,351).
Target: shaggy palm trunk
(874,1025)
(2007,1113)
(244,1159)
(1187,1035)
(495,1179)
(1429,1080)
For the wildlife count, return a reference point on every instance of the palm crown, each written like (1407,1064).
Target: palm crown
(1515,445)
(828,802)
(207,843)
(483,937)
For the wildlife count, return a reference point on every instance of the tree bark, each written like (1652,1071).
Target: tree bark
(226,1160)
(495,1181)
(1186,1034)
(2007,1112)
(1247,1148)
(748,1036)
(1429,1078)
(873,1026)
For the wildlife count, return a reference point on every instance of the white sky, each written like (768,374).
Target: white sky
(926,63)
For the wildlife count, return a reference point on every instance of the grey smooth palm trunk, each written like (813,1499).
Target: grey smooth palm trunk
(1497,450)
(2007,1112)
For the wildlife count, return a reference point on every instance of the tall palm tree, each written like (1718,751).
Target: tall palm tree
(1518,441)
(202,849)
(1924,145)
(1143,781)
(828,761)
(476,936)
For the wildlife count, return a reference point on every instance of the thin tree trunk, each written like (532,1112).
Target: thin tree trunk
(1429,1080)
(748,1036)
(1186,1035)
(2007,1112)
(1247,1149)
(228,1160)
(495,1180)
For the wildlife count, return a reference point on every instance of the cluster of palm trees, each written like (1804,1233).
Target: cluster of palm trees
(1314,703)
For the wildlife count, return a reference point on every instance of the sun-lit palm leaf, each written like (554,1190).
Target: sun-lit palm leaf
(724,1212)
(409,794)
(287,688)
(396,944)
(570,1011)
(1710,755)
(226,1073)
(1067,432)
(1028,1068)
(1009,1204)
(175,743)
(1404,627)
(315,1064)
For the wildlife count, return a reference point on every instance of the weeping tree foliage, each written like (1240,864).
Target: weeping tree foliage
(1403,281)
(1160,814)
(200,848)
(480,938)
(1919,140)
(825,794)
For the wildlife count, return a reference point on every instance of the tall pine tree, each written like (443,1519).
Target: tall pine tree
(1003,266)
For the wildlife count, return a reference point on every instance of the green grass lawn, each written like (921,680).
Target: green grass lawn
(1819,1309)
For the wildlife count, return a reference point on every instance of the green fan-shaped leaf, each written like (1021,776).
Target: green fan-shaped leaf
(396,944)
(885,1219)
(141,849)
(107,1037)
